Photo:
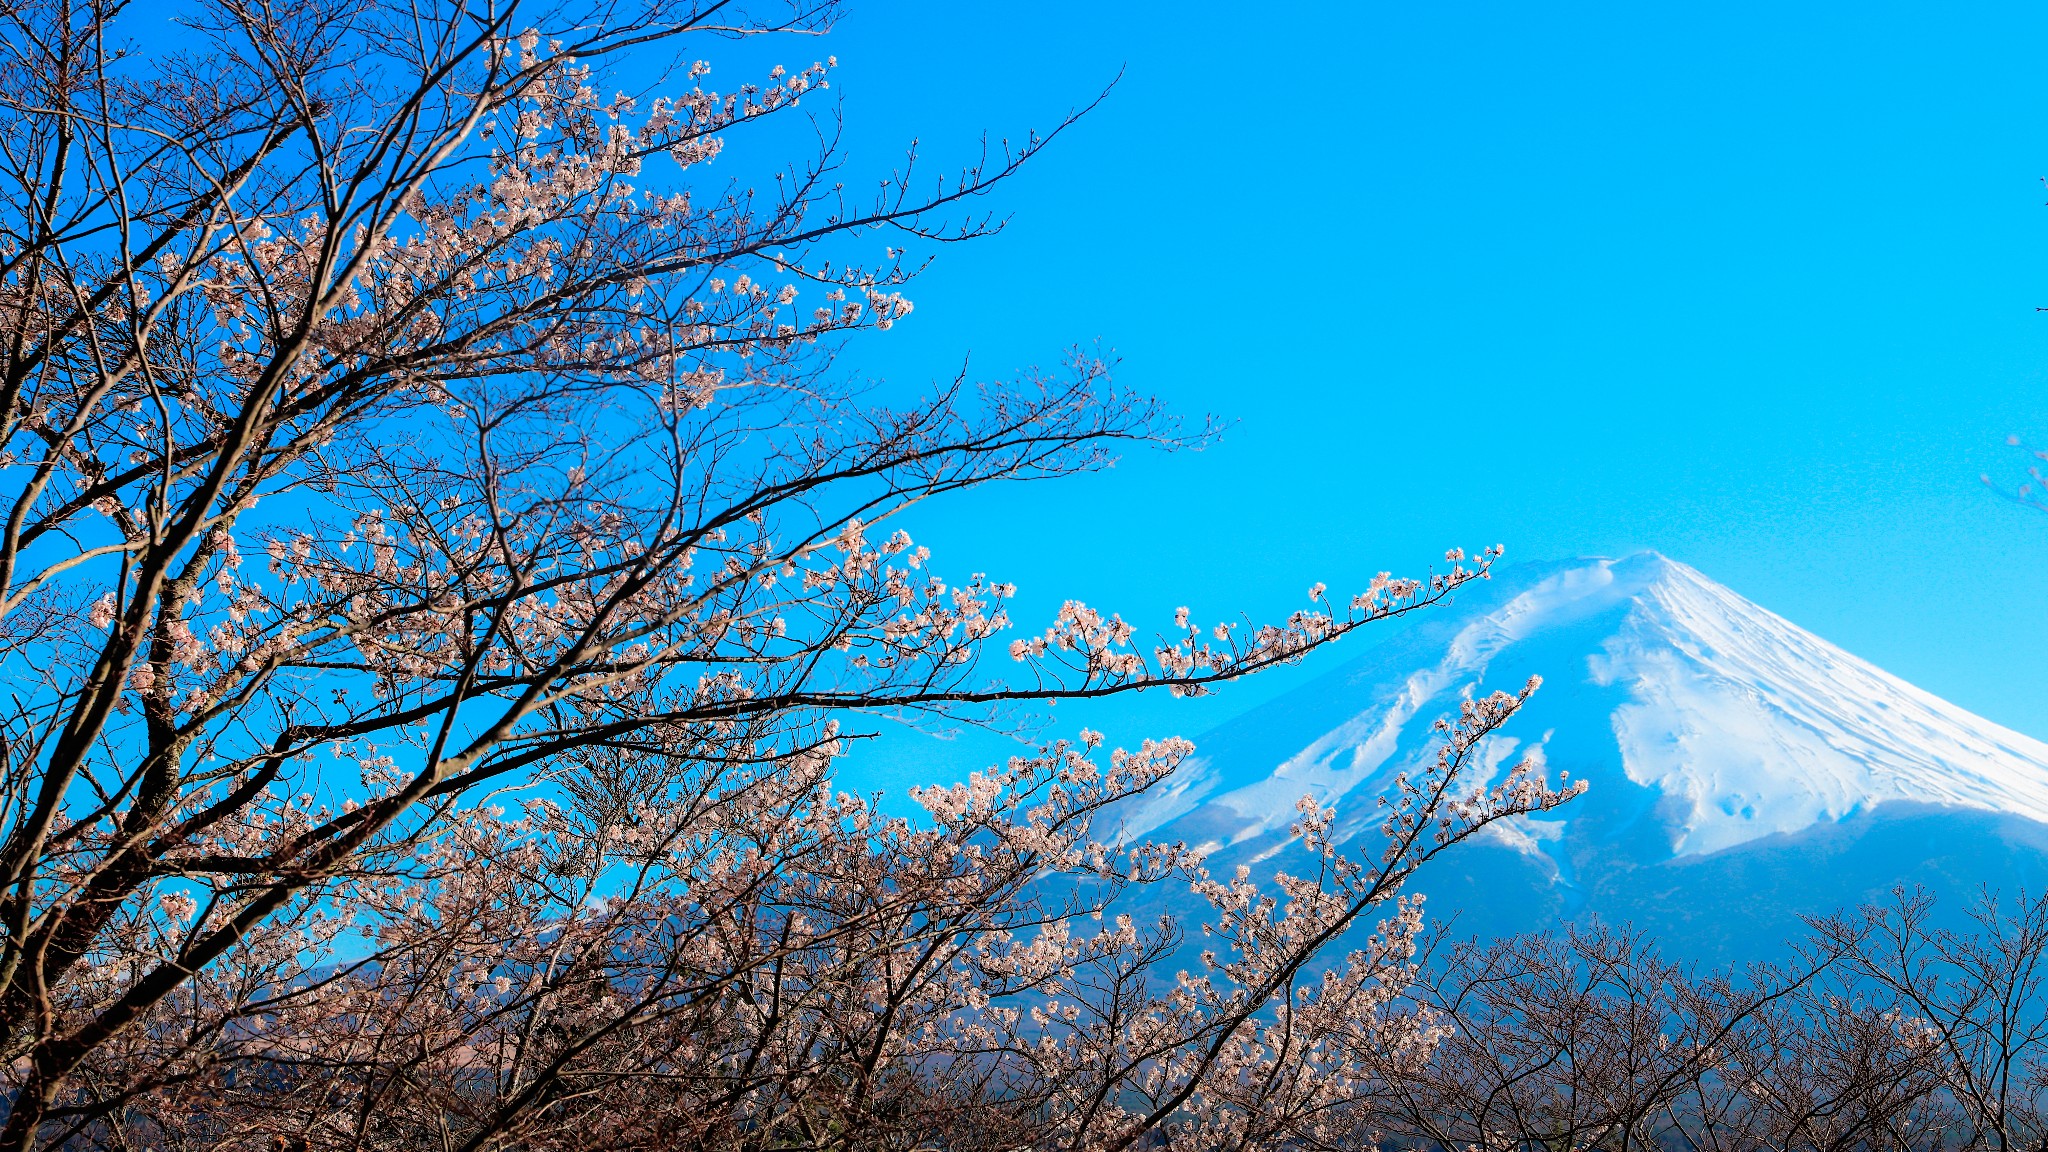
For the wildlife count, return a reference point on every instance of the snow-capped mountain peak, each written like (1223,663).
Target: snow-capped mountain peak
(1703,722)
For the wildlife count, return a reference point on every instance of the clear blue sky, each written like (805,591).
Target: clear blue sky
(1752,285)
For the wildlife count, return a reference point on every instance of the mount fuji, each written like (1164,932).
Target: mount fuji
(1743,772)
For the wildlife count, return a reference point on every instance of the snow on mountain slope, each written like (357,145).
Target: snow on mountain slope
(1718,739)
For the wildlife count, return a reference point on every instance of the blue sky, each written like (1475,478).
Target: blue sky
(1752,285)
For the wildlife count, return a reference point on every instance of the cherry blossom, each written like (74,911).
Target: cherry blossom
(445,567)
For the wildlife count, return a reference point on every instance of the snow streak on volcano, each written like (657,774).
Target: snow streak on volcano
(1743,771)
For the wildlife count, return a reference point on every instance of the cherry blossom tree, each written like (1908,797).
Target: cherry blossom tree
(442,566)
(1889,1029)
(1971,1001)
